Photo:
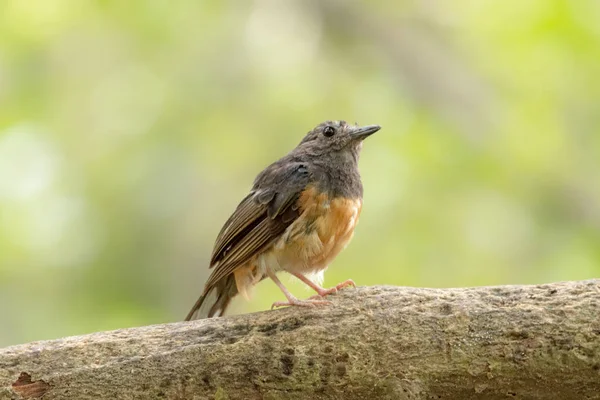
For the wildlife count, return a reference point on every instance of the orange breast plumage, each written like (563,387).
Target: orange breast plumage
(324,228)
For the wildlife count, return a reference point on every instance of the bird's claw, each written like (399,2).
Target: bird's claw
(326,292)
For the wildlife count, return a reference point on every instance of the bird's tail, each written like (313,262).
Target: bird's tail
(214,300)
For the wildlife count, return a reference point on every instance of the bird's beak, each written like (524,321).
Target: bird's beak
(361,132)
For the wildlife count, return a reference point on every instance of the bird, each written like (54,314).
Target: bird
(300,213)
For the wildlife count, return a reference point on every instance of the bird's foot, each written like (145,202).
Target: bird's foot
(301,303)
(322,292)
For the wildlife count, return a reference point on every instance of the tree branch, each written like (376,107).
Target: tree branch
(526,342)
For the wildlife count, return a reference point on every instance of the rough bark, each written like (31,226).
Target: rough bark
(523,342)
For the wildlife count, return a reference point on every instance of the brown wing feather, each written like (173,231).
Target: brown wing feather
(259,219)
(247,212)
(256,223)
(253,227)
(254,242)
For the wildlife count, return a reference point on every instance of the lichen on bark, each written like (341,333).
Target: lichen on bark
(526,342)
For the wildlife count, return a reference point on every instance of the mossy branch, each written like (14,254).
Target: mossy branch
(524,342)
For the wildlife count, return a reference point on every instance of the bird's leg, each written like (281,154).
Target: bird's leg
(320,290)
(291,299)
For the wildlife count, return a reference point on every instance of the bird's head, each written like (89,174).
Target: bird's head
(336,139)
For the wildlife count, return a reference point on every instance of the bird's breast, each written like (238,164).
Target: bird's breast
(323,229)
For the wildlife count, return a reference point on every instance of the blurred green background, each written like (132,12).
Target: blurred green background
(129,131)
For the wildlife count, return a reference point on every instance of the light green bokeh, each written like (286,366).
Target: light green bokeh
(130,130)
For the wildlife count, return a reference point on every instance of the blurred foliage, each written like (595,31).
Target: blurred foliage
(129,131)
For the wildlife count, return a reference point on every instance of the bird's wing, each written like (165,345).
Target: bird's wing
(259,219)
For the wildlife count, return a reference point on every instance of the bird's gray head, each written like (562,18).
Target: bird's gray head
(335,139)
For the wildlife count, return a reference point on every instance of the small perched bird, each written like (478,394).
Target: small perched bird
(300,213)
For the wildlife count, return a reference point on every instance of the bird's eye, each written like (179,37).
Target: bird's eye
(329,131)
